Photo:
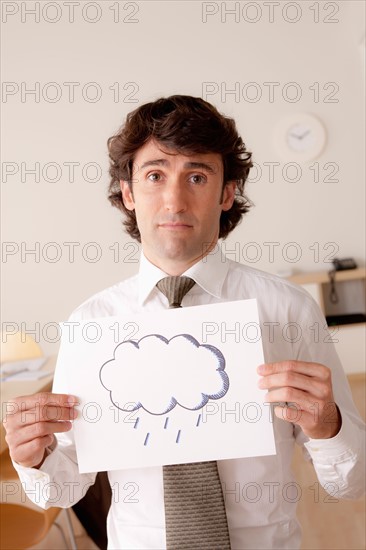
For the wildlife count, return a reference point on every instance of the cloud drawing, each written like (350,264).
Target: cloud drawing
(157,374)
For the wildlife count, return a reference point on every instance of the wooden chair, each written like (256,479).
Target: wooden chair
(23,527)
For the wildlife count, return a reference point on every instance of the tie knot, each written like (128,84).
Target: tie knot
(175,288)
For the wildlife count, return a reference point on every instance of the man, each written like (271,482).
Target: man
(178,170)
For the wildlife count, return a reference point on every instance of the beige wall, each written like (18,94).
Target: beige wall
(163,48)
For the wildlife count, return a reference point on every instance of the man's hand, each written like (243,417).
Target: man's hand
(32,420)
(307,389)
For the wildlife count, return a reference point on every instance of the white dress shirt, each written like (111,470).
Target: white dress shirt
(260,493)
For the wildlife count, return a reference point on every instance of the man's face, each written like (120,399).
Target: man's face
(178,201)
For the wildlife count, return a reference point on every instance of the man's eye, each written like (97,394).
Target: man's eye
(154,176)
(197,178)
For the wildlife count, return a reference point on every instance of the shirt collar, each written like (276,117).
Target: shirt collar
(209,273)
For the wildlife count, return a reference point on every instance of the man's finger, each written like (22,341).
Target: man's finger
(297,398)
(301,367)
(36,431)
(295,380)
(40,414)
(292,414)
(38,400)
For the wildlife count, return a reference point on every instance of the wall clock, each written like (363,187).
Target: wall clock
(299,137)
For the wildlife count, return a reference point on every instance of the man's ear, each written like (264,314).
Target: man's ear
(127,195)
(228,195)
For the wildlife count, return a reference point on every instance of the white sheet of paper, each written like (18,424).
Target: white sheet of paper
(167,387)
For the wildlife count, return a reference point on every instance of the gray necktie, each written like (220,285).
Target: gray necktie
(195,512)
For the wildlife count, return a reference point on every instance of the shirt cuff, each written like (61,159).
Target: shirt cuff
(37,474)
(339,448)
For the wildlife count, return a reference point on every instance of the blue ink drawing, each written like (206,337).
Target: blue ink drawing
(156,374)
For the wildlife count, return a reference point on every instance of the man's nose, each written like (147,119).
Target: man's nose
(175,196)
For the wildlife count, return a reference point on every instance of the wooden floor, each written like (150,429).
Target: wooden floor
(329,523)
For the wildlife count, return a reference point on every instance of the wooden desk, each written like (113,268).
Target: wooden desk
(11,389)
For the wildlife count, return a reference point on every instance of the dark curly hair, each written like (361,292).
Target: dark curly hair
(186,125)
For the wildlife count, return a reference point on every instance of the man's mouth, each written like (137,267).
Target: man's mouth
(175,225)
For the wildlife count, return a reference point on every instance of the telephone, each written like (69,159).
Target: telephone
(339,265)
(343,264)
